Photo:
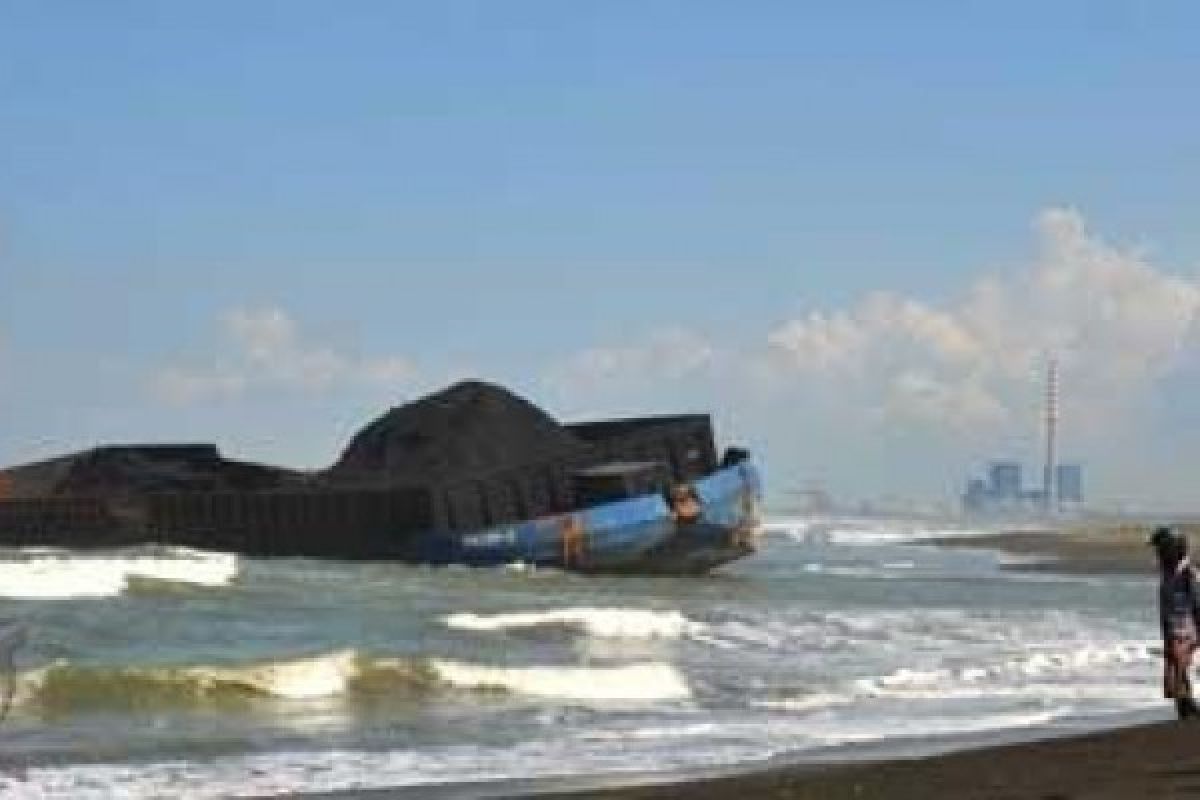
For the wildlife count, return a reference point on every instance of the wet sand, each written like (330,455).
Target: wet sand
(1078,549)
(1160,760)
(1141,762)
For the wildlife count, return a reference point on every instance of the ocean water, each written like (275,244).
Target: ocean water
(174,673)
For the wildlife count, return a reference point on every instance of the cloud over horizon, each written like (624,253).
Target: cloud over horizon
(587,381)
(265,349)
(967,374)
(1115,322)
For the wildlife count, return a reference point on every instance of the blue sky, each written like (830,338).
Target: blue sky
(260,223)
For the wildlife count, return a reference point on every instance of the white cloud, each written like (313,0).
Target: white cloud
(266,349)
(667,354)
(1115,322)
(659,369)
(182,385)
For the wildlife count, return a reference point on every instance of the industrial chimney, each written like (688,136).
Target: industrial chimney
(1049,489)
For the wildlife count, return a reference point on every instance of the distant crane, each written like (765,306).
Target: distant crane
(812,499)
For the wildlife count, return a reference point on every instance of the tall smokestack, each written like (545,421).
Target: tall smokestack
(1050,493)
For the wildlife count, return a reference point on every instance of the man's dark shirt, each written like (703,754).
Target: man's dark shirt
(1178,602)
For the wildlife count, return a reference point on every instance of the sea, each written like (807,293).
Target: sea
(154,672)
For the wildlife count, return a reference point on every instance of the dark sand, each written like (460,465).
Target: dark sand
(1078,549)
(1078,553)
(1161,760)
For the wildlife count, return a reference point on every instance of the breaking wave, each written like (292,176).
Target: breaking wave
(346,674)
(49,574)
(851,531)
(1047,675)
(648,681)
(601,622)
(1014,672)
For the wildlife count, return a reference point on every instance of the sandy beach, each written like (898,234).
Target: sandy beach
(1095,549)
(1150,761)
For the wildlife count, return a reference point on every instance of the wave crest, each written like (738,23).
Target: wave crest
(64,687)
(51,575)
(1044,674)
(631,623)
(648,681)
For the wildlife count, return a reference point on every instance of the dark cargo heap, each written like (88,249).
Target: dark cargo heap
(466,458)
(463,431)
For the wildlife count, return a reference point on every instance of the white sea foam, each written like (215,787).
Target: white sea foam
(896,533)
(280,773)
(646,681)
(863,531)
(58,575)
(839,732)
(881,572)
(657,732)
(288,772)
(1128,695)
(809,702)
(631,623)
(61,682)
(866,631)
(326,675)
(1078,660)
(1045,676)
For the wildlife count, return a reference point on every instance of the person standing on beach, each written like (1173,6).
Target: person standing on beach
(1179,616)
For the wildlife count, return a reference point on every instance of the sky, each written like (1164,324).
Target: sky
(853,232)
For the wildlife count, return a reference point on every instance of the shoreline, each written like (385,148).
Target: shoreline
(1151,760)
(1072,550)
(1136,755)
(1144,755)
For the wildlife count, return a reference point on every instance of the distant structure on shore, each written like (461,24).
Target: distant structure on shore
(1002,492)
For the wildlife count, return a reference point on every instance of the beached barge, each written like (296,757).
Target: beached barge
(472,475)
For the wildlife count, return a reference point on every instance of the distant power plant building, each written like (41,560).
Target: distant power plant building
(975,498)
(1005,481)
(1068,479)
(1003,493)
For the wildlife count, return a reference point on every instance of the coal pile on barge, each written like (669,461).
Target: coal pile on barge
(468,429)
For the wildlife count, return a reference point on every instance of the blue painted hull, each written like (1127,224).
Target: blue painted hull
(634,535)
